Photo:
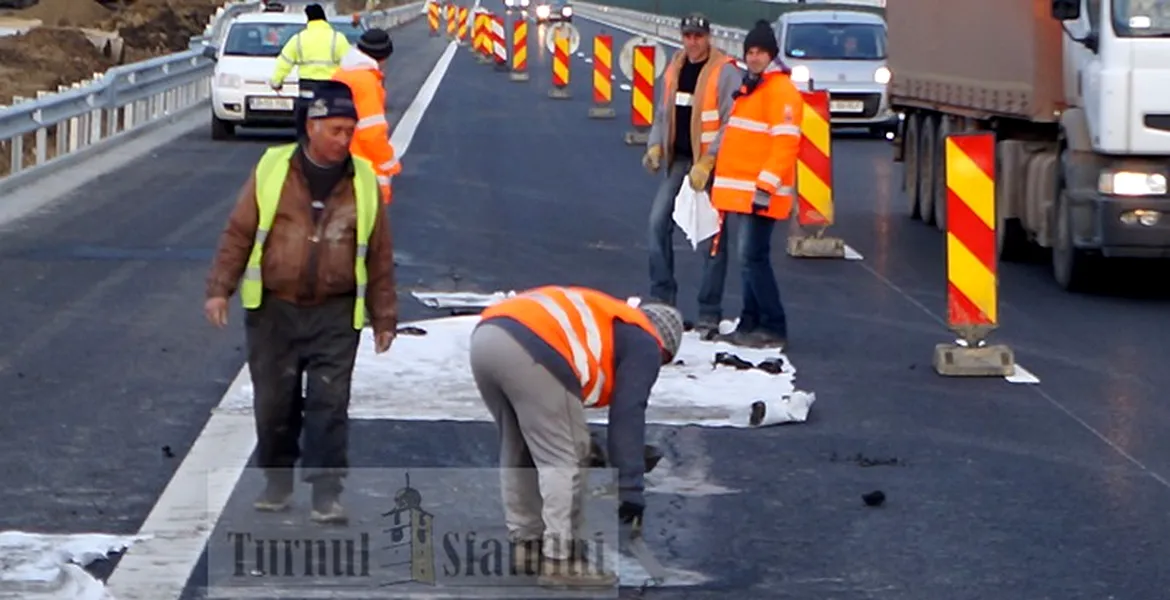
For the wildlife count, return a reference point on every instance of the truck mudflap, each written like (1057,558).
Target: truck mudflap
(1120,226)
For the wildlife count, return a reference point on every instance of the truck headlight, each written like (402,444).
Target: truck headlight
(524,3)
(1130,183)
(542,11)
(881,75)
(1145,218)
(510,3)
(801,74)
(567,11)
(229,80)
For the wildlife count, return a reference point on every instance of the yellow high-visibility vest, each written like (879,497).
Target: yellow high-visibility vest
(270,175)
(316,52)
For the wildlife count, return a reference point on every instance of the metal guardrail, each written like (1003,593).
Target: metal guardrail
(741,13)
(126,98)
(727,39)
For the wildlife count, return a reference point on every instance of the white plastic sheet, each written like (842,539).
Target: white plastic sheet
(694,214)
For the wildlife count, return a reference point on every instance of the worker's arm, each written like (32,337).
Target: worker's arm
(381,297)
(730,78)
(289,57)
(235,244)
(635,370)
(373,131)
(783,115)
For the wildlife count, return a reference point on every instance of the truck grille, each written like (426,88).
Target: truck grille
(872,104)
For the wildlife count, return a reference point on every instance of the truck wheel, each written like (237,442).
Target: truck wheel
(220,129)
(1073,269)
(1011,241)
(940,173)
(910,170)
(926,168)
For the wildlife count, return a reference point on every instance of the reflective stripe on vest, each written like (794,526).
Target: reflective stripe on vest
(270,175)
(315,67)
(586,356)
(708,112)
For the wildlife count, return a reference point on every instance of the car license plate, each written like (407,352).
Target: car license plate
(270,103)
(846,106)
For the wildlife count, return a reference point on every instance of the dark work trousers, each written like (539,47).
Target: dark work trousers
(286,342)
(304,99)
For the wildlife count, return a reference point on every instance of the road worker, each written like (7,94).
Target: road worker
(540,359)
(755,179)
(361,70)
(684,139)
(310,238)
(316,52)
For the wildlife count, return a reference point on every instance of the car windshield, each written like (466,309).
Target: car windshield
(348,29)
(259,39)
(836,41)
(1141,18)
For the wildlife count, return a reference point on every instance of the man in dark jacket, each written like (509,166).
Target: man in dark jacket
(312,243)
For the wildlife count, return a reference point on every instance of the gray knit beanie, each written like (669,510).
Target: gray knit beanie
(669,323)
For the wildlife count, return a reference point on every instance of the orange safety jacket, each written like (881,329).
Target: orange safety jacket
(759,147)
(705,109)
(578,324)
(371,140)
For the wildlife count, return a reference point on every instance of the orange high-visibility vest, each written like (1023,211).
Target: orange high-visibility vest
(577,323)
(704,109)
(371,139)
(759,147)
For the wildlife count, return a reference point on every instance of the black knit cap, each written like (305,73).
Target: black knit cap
(762,37)
(331,99)
(376,44)
(314,12)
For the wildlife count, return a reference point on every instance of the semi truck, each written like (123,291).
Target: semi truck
(1077,95)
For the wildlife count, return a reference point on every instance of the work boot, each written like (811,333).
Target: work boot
(277,494)
(758,339)
(707,328)
(526,555)
(574,572)
(327,504)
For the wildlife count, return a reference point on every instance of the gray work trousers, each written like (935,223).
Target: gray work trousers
(544,441)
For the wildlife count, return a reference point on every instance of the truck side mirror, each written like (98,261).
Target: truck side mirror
(1066,10)
(210,51)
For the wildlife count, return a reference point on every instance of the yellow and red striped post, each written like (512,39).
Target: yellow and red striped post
(433,16)
(642,95)
(451,20)
(477,36)
(462,34)
(519,50)
(814,183)
(972,272)
(602,78)
(560,65)
(499,43)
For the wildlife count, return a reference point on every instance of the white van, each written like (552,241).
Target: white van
(844,52)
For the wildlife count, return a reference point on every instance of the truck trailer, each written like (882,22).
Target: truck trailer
(1077,93)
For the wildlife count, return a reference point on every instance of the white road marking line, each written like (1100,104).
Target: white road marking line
(1022,375)
(185,514)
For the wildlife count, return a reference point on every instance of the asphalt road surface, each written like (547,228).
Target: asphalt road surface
(994,490)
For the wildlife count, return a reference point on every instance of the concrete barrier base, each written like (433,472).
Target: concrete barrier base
(560,93)
(816,247)
(518,76)
(602,112)
(954,360)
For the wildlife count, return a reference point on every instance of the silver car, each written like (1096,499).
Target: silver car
(844,52)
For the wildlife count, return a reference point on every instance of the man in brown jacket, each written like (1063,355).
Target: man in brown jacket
(305,208)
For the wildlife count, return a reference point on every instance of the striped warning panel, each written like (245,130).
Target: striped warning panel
(971,261)
(814,162)
(642,98)
(602,69)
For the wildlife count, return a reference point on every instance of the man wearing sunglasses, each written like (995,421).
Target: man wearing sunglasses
(684,140)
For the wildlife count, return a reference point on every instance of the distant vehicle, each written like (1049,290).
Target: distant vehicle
(844,52)
(347,27)
(556,10)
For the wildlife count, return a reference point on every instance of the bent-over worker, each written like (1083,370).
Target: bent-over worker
(311,240)
(685,137)
(540,359)
(361,70)
(316,52)
(755,178)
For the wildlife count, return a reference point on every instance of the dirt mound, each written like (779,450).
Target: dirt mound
(161,26)
(65,13)
(45,58)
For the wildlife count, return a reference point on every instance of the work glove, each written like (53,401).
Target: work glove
(652,160)
(761,201)
(701,172)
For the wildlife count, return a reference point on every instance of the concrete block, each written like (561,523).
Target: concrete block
(994,360)
(816,247)
(518,76)
(602,112)
(560,93)
(637,138)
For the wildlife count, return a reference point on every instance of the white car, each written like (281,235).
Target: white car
(240,94)
(844,52)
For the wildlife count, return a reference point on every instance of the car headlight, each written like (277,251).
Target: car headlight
(801,74)
(881,75)
(542,11)
(1130,183)
(510,3)
(229,80)
(524,3)
(567,11)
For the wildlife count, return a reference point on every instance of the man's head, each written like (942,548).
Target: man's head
(331,119)
(376,44)
(314,12)
(669,324)
(696,34)
(760,47)
(850,45)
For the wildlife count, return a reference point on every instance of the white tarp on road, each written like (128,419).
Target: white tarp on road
(36,566)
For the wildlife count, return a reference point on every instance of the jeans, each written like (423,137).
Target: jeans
(762,309)
(663,287)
